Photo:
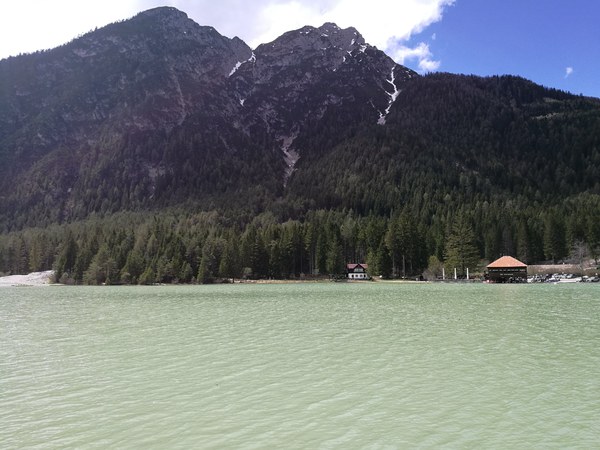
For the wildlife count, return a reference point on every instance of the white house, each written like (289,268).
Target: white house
(357,271)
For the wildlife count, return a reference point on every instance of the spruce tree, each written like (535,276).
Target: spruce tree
(461,248)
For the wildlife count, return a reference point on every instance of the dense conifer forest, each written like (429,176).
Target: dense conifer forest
(183,247)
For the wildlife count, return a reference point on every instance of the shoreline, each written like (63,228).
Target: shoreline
(37,279)
(31,279)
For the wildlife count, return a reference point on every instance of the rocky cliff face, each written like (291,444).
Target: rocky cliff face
(311,76)
(146,73)
(291,83)
(172,101)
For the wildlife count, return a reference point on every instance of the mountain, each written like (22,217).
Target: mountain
(103,106)
(457,140)
(315,75)
(158,114)
(158,110)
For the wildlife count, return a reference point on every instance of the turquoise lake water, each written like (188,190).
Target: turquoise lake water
(324,365)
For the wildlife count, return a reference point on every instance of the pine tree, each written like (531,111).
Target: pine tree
(523,246)
(186,273)
(554,238)
(461,248)
(384,261)
(229,258)
(65,263)
(593,234)
(147,277)
(335,258)
(204,274)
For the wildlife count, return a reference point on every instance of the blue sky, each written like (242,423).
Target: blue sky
(538,40)
(555,43)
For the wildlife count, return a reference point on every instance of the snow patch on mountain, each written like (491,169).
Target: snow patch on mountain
(236,67)
(239,64)
(393,96)
(290,155)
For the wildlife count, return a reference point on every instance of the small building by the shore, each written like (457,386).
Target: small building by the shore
(507,270)
(357,271)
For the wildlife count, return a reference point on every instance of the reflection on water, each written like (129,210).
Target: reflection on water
(300,366)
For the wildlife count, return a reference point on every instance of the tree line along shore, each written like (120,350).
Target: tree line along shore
(145,248)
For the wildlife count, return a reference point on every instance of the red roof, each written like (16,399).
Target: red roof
(354,266)
(506,261)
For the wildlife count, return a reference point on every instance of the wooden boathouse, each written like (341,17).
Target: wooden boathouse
(507,270)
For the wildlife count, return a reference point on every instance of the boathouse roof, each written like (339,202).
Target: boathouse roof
(506,261)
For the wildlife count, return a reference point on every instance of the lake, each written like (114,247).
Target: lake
(323,365)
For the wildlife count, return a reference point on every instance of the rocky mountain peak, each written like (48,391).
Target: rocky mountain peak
(346,39)
(164,14)
(327,43)
(173,27)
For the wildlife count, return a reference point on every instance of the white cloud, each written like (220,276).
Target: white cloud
(428,65)
(568,72)
(421,54)
(387,24)
(278,17)
(28,25)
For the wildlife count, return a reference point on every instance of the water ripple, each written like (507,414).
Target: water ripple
(300,366)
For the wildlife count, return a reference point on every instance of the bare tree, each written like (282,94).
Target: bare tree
(579,253)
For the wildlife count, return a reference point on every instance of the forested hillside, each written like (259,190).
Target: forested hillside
(156,150)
